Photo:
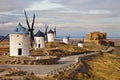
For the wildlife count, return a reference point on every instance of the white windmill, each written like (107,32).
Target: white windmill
(80,43)
(66,39)
(51,35)
(19,41)
(39,40)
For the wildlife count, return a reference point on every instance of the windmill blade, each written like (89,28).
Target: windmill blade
(32,35)
(46,29)
(33,22)
(55,31)
(69,36)
(4,38)
(83,38)
(31,38)
(27,20)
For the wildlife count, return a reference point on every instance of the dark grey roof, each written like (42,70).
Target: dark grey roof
(39,34)
(67,37)
(81,42)
(20,29)
(51,31)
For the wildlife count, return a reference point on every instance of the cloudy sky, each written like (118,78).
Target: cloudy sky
(74,17)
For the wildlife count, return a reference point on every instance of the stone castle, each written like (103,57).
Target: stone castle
(98,38)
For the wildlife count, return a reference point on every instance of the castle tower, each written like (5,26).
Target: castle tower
(19,41)
(39,40)
(65,39)
(50,35)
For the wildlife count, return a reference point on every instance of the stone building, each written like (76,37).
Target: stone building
(98,38)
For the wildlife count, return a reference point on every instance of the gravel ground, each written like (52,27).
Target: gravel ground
(45,69)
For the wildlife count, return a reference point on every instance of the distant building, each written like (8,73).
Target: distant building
(39,39)
(51,36)
(98,38)
(80,44)
(19,41)
(66,39)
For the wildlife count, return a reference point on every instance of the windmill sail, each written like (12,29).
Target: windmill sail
(46,28)
(27,20)
(4,38)
(33,21)
(30,29)
(55,31)
(69,36)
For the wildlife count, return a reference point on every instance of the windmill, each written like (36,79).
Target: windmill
(30,29)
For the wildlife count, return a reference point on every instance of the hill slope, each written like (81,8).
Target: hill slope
(102,67)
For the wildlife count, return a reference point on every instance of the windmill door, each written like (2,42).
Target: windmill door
(38,45)
(20,51)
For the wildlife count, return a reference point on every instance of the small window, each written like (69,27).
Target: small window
(38,40)
(19,43)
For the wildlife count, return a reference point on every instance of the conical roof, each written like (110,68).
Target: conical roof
(66,37)
(80,42)
(51,31)
(20,29)
(39,34)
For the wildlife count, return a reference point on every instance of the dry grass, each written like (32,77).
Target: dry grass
(58,49)
(101,67)
(93,46)
(106,67)
(14,74)
(62,49)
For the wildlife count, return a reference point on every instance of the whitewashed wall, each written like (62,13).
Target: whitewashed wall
(19,41)
(50,37)
(80,45)
(65,40)
(39,40)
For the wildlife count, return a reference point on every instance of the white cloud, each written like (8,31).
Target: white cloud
(44,5)
(9,13)
(7,25)
(98,12)
(85,11)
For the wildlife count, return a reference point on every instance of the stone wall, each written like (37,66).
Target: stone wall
(96,36)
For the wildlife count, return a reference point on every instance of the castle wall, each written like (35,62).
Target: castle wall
(96,36)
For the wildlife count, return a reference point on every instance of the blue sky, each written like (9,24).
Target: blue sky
(74,17)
